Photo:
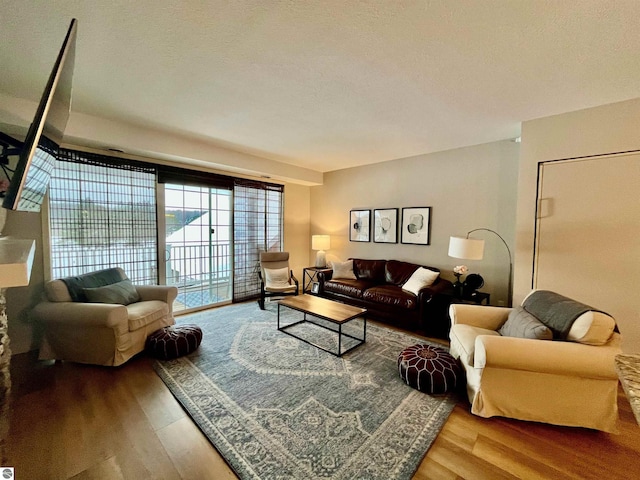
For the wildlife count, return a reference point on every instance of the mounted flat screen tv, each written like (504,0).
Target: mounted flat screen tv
(32,173)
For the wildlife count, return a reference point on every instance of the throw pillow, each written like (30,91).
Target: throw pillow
(276,277)
(522,324)
(123,293)
(421,278)
(343,270)
(592,328)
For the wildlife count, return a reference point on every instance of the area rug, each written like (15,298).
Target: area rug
(278,408)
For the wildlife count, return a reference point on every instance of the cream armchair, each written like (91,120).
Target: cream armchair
(100,318)
(558,382)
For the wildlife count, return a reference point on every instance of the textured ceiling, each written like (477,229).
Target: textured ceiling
(329,84)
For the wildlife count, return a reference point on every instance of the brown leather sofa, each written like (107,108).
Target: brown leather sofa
(378,288)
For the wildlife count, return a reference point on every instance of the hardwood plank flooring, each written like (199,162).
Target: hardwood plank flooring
(70,421)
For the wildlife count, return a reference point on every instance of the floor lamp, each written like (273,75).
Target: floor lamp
(473,249)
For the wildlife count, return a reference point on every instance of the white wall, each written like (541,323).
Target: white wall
(594,131)
(467,188)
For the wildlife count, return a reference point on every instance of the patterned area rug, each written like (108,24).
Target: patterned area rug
(278,408)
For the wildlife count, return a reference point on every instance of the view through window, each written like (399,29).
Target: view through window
(198,244)
(102,216)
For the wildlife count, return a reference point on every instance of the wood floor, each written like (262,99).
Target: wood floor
(70,421)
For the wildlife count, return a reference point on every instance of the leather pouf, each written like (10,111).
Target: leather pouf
(173,342)
(429,369)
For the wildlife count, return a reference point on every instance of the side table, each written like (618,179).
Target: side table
(310,275)
(478,298)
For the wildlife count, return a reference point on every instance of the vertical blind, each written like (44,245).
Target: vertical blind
(257,226)
(102,214)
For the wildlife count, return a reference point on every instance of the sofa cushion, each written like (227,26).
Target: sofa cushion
(343,270)
(76,284)
(277,277)
(561,313)
(397,273)
(391,295)
(372,270)
(122,293)
(522,324)
(463,341)
(351,288)
(142,314)
(421,278)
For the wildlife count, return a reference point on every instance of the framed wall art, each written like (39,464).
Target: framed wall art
(385,225)
(359,225)
(416,225)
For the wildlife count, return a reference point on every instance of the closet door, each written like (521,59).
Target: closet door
(588,236)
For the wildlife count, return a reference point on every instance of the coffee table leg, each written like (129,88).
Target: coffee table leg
(340,340)
(278,316)
(364,331)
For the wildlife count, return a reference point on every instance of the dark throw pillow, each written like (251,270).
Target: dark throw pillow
(122,293)
(522,324)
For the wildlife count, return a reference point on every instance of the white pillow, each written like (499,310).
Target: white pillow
(276,277)
(421,278)
(343,270)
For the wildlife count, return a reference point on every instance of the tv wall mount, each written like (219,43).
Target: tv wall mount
(9,146)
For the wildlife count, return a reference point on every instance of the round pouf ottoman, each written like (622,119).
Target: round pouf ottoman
(429,369)
(174,341)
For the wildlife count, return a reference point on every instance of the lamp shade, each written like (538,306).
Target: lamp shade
(320,242)
(466,248)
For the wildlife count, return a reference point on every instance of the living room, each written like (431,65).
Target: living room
(483,181)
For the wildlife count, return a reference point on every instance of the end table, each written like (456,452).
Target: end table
(310,275)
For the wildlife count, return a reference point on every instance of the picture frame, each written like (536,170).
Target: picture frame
(315,287)
(360,225)
(416,225)
(385,225)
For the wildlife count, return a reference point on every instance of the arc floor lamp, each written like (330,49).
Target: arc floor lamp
(473,249)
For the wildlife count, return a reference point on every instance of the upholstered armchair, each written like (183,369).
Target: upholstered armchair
(550,360)
(276,278)
(101,318)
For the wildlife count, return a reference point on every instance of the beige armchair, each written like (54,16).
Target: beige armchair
(552,381)
(100,318)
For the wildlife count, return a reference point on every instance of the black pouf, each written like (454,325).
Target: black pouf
(429,369)
(173,342)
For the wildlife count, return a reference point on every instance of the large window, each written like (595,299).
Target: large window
(102,214)
(198,244)
(257,226)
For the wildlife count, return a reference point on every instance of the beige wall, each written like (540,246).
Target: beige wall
(297,201)
(468,188)
(600,130)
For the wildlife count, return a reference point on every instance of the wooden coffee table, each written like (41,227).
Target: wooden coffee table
(335,312)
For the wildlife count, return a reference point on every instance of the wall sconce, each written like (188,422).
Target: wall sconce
(321,243)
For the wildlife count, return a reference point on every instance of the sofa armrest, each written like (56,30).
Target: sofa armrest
(547,356)
(322,277)
(442,286)
(164,293)
(481,316)
(81,314)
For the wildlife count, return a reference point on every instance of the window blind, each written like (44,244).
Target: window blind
(102,213)
(257,226)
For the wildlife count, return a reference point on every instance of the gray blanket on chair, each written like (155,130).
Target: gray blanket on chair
(556,311)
